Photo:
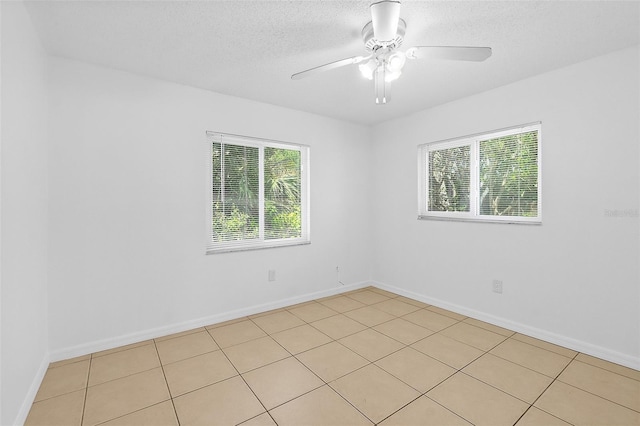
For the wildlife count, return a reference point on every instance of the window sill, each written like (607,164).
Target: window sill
(506,220)
(245,247)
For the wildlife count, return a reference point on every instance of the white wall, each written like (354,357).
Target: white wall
(24,213)
(117,253)
(573,280)
(128,192)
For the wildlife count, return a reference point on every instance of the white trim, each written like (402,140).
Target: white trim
(448,144)
(261,194)
(540,171)
(504,130)
(422,184)
(250,140)
(1,340)
(474,181)
(104,344)
(246,245)
(30,397)
(305,197)
(546,335)
(209,196)
(466,217)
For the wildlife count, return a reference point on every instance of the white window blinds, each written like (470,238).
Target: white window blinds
(493,176)
(508,175)
(259,193)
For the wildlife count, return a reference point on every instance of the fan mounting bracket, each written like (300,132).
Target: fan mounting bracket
(372,44)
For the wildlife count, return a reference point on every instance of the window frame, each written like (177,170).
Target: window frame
(260,242)
(474,204)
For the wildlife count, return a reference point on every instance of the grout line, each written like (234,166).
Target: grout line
(543,392)
(349,402)
(124,348)
(325,383)
(504,338)
(245,382)
(603,369)
(226,323)
(546,412)
(439,383)
(133,373)
(132,412)
(53,367)
(488,331)
(251,389)
(594,394)
(502,390)
(319,319)
(529,368)
(369,363)
(544,349)
(178,335)
(523,366)
(497,388)
(258,415)
(284,329)
(124,377)
(401,408)
(606,369)
(241,377)
(240,343)
(181,359)
(274,420)
(449,410)
(296,397)
(202,387)
(166,382)
(86,390)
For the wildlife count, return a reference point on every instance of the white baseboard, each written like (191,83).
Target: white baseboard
(104,344)
(33,390)
(546,335)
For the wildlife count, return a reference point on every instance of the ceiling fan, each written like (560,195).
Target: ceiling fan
(382,36)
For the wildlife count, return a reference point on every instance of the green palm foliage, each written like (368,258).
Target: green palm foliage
(282,191)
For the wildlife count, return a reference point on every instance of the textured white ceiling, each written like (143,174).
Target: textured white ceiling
(250,48)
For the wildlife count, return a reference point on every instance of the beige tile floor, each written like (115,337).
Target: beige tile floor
(364,357)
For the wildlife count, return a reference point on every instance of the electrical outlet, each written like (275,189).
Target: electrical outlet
(272,274)
(497,286)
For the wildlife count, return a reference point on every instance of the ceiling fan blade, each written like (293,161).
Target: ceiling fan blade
(385,15)
(453,53)
(329,66)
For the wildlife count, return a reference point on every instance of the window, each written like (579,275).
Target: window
(259,193)
(488,177)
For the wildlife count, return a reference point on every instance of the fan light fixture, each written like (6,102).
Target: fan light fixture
(392,63)
(385,67)
(382,36)
(396,61)
(367,69)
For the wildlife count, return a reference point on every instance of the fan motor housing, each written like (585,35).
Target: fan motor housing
(372,44)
